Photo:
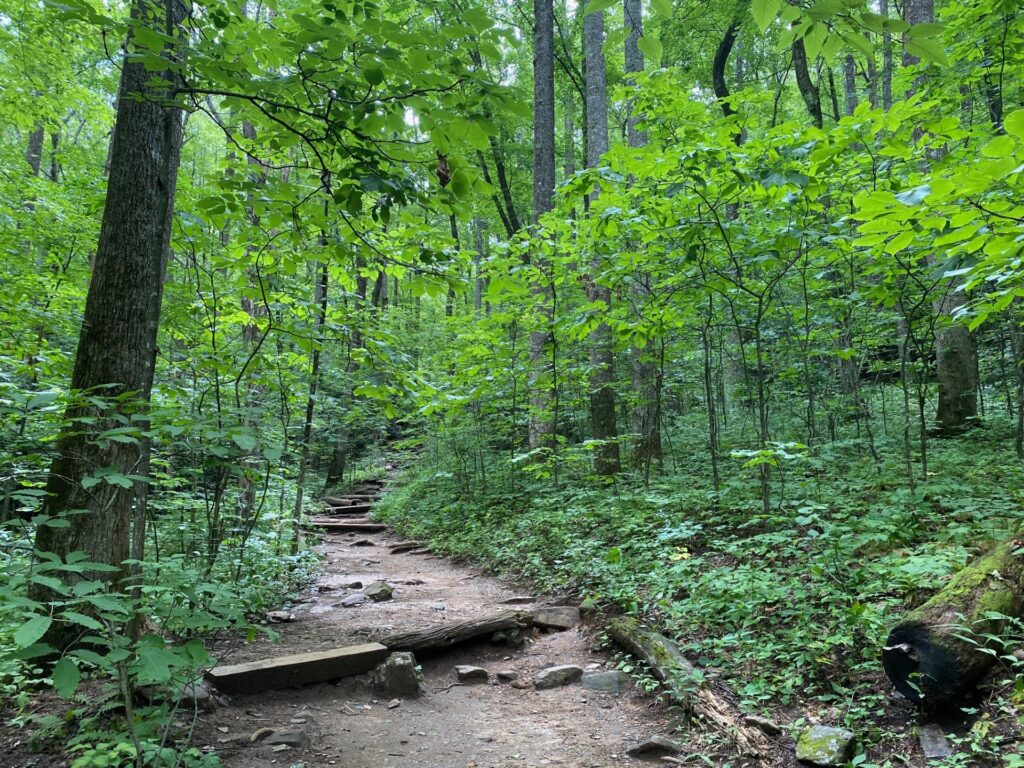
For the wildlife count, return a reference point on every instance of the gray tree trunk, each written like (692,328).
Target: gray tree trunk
(542,420)
(850,84)
(117,347)
(602,360)
(887,63)
(956,363)
(646,390)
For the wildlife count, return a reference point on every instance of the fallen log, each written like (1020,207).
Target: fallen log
(347,501)
(405,546)
(445,636)
(353,509)
(683,683)
(336,526)
(296,670)
(937,653)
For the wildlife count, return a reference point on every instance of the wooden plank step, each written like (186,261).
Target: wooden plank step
(349,500)
(336,526)
(352,509)
(296,670)
(331,519)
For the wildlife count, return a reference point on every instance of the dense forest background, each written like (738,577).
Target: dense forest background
(707,312)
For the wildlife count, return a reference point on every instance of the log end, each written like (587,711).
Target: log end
(926,670)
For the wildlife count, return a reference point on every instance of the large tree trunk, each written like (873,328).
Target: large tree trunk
(602,361)
(927,656)
(646,390)
(117,346)
(956,362)
(542,421)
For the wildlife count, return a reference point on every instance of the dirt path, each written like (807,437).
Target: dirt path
(490,725)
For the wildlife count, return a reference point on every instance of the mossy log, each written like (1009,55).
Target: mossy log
(926,656)
(668,664)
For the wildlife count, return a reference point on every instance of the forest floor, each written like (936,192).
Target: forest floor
(462,726)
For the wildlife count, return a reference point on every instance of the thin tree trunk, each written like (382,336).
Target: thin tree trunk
(850,84)
(320,299)
(887,59)
(808,90)
(542,427)
(602,360)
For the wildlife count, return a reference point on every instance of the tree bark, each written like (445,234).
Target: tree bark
(956,362)
(646,389)
(117,346)
(320,300)
(602,360)
(850,84)
(542,422)
(808,90)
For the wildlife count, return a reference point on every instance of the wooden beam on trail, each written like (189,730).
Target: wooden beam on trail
(347,501)
(351,509)
(339,526)
(445,636)
(300,669)
(671,667)
(405,546)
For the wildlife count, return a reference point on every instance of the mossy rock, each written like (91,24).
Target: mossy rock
(824,746)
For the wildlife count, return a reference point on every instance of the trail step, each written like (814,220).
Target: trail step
(298,669)
(349,499)
(337,526)
(352,509)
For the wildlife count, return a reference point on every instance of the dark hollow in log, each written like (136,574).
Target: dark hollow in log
(927,656)
(668,664)
(445,636)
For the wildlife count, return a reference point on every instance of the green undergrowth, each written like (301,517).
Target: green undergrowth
(787,606)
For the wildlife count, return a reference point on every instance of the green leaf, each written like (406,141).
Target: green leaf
(244,441)
(66,677)
(373,74)
(765,12)
(929,50)
(1000,146)
(663,7)
(825,9)
(921,31)
(81,618)
(1014,123)
(31,631)
(594,6)
(651,47)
